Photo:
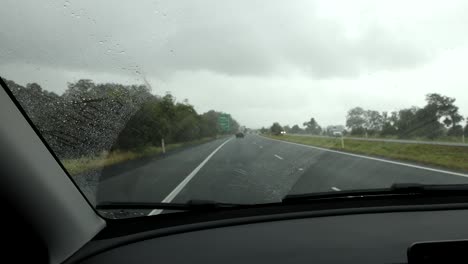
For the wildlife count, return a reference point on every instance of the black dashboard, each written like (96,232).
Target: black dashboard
(354,238)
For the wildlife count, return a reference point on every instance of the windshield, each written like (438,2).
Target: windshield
(242,102)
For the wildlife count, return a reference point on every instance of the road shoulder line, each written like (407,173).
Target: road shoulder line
(183,183)
(371,158)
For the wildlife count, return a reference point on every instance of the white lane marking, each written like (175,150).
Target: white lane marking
(371,158)
(301,169)
(278,157)
(261,147)
(335,189)
(182,184)
(241,171)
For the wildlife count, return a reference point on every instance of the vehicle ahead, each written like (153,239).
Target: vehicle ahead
(337,134)
(240,135)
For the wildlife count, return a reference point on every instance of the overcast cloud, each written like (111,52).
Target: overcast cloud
(262,61)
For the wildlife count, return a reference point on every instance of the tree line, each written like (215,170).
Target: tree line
(439,117)
(89,118)
(310,127)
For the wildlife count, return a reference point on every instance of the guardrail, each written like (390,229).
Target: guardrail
(404,141)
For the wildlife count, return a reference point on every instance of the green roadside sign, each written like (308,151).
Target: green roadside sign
(224,122)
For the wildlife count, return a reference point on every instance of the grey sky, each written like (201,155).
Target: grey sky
(262,61)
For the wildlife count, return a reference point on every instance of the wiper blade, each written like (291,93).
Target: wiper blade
(192,205)
(397,189)
(430,188)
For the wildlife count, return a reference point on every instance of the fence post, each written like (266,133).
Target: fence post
(163,146)
(342,141)
(463,135)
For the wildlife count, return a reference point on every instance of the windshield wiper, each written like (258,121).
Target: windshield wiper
(192,205)
(397,189)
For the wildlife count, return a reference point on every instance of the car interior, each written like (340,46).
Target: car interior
(49,220)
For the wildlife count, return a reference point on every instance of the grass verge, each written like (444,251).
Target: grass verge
(449,157)
(449,139)
(86,164)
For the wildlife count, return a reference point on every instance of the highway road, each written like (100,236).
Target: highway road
(255,169)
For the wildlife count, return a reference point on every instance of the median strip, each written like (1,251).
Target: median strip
(451,157)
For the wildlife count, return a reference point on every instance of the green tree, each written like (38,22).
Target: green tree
(209,124)
(419,122)
(312,127)
(426,123)
(388,124)
(234,125)
(296,129)
(276,128)
(373,121)
(455,131)
(146,127)
(404,124)
(186,123)
(80,89)
(356,120)
(90,118)
(445,109)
